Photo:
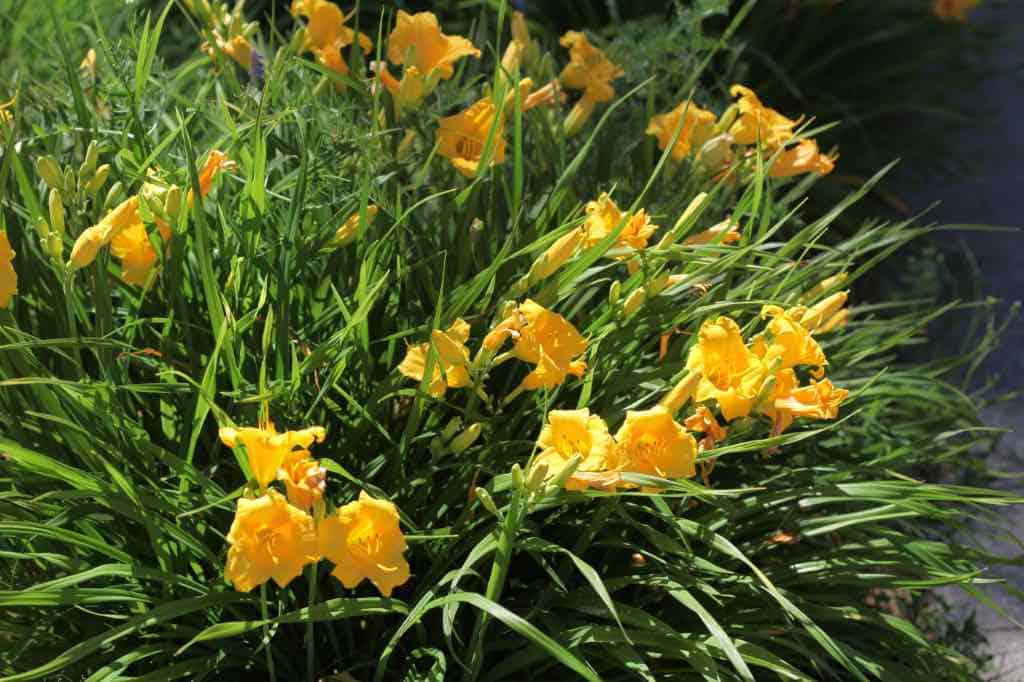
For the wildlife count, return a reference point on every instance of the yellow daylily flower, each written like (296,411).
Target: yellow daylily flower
(791,342)
(364,541)
(819,400)
(732,373)
(8,277)
(132,246)
(237,48)
(269,538)
(304,479)
(784,383)
(349,229)
(704,421)
(758,123)
(327,35)
(697,128)
(802,158)
(588,70)
(956,10)
(461,138)
(451,370)
(651,442)
(267,449)
(577,433)
(542,338)
(604,215)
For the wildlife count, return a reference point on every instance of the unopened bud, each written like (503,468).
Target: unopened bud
(555,256)
(508,308)
(113,196)
(823,311)
(691,209)
(50,172)
(465,439)
(69,182)
(349,230)
(92,155)
(487,501)
(451,429)
(98,179)
(658,284)
(558,481)
(823,286)
(55,247)
(56,213)
(517,477)
(634,301)
(681,393)
(614,292)
(717,153)
(538,474)
(42,228)
(172,202)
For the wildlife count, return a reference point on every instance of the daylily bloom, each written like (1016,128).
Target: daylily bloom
(364,541)
(588,70)
(132,246)
(651,442)
(758,123)
(698,127)
(428,54)
(93,238)
(791,342)
(451,369)
(577,433)
(8,277)
(544,339)
(269,539)
(953,9)
(725,232)
(461,138)
(521,48)
(238,48)
(704,421)
(732,374)
(802,158)
(819,400)
(304,479)
(603,216)
(327,34)
(267,449)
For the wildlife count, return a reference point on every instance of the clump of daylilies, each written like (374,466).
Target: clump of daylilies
(276,536)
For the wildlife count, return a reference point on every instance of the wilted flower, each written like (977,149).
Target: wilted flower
(364,541)
(704,421)
(725,232)
(269,538)
(555,256)
(350,228)
(304,479)
(698,126)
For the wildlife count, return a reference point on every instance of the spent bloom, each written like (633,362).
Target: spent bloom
(451,369)
(269,538)
(364,541)
(8,277)
(697,127)
(704,421)
(304,479)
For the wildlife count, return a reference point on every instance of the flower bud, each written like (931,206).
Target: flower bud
(559,479)
(658,284)
(56,213)
(465,439)
(614,292)
(69,181)
(172,202)
(840,319)
(579,115)
(451,429)
(562,250)
(817,314)
(487,501)
(681,393)
(113,196)
(824,285)
(634,301)
(349,230)
(55,247)
(92,155)
(717,153)
(42,229)
(673,234)
(538,474)
(517,477)
(99,177)
(50,172)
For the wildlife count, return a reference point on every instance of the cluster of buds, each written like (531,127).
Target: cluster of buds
(67,187)
(228,32)
(454,439)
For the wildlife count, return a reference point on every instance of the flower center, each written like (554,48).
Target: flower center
(469,148)
(364,541)
(650,450)
(268,539)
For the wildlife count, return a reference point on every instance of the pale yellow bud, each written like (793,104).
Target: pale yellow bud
(92,155)
(486,500)
(113,196)
(98,179)
(559,479)
(349,230)
(50,172)
(172,202)
(824,285)
(671,236)
(681,393)
(634,301)
(556,255)
(717,153)
(56,206)
(55,247)
(464,440)
(517,477)
(614,292)
(537,476)
(840,319)
(824,310)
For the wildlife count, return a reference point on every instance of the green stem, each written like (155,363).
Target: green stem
(266,633)
(496,583)
(310,651)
